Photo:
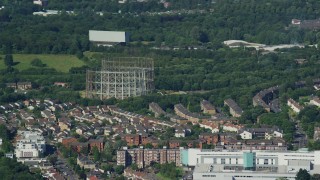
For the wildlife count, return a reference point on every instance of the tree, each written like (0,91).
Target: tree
(107,167)
(96,154)
(84,150)
(37,62)
(134,167)
(315,177)
(149,146)
(119,169)
(52,159)
(303,175)
(8,60)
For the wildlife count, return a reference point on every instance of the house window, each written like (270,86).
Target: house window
(229,160)
(236,160)
(214,160)
(223,161)
(265,161)
(257,161)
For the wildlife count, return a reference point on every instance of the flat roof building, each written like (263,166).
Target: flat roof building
(108,38)
(29,144)
(249,164)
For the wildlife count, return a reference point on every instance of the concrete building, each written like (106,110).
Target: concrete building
(108,38)
(261,133)
(207,107)
(265,97)
(296,107)
(20,85)
(183,112)
(232,127)
(40,2)
(235,109)
(210,125)
(156,109)
(243,165)
(30,144)
(315,101)
(316,135)
(145,157)
(85,162)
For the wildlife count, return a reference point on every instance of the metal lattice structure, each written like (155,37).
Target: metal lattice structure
(121,78)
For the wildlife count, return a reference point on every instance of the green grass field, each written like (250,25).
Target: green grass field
(61,63)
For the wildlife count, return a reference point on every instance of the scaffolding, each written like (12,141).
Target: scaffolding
(121,78)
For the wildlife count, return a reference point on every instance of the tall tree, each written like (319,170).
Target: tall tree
(8,60)
(303,175)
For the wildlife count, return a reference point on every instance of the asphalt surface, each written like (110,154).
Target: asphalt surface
(65,169)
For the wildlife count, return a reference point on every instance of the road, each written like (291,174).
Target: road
(300,139)
(65,169)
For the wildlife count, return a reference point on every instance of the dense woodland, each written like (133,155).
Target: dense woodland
(263,22)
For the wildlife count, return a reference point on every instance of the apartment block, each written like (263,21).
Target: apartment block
(145,157)
(29,144)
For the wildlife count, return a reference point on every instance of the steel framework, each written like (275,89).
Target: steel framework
(121,78)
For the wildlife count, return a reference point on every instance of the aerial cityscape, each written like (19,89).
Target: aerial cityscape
(160,89)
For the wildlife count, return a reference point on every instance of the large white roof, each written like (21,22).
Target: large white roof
(107,36)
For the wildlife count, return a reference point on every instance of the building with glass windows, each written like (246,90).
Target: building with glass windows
(240,165)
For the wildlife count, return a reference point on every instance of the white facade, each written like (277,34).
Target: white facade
(201,173)
(246,135)
(315,101)
(198,156)
(294,106)
(227,165)
(212,127)
(180,134)
(231,128)
(101,37)
(275,134)
(31,144)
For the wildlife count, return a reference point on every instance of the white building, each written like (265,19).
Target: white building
(209,125)
(315,101)
(240,165)
(231,127)
(108,38)
(40,2)
(180,133)
(266,133)
(294,105)
(31,144)
(246,135)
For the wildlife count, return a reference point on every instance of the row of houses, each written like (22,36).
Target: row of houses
(296,107)
(181,111)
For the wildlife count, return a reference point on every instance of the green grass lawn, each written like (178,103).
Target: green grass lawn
(61,63)
(159,175)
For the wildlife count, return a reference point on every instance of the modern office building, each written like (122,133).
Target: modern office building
(244,165)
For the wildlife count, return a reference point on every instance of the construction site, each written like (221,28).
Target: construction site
(121,77)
